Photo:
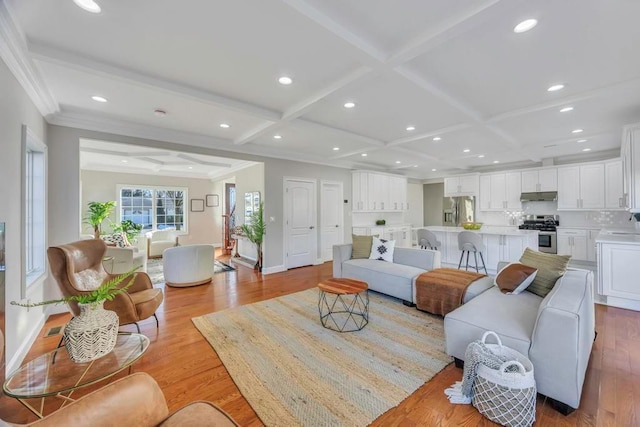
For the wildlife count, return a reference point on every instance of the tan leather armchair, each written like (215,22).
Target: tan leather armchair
(135,400)
(78,266)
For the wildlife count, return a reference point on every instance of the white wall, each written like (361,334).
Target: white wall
(415,197)
(203,227)
(433,195)
(16,109)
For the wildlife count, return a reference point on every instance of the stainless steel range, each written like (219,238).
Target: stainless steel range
(546,225)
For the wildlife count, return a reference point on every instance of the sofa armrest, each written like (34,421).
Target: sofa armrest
(341,253)
(135,400)
(425,259)
(563,336)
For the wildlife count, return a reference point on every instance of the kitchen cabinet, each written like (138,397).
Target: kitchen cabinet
(398,193)
(376,192)
(537,180)
(630,152)
(574,243)
(500,191)
(400,233)
(613,191)
(581,187)
(378,196)
(501,247)
(464,185)
(591,245)
(360,188)
(617,266)
(484,196)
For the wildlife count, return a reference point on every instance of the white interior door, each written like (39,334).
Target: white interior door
(301,234)
(331,218)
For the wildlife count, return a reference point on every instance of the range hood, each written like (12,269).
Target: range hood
(539,196)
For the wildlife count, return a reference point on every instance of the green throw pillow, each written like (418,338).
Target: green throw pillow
(550,268)
(361,246)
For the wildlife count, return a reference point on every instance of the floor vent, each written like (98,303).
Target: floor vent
(53,331)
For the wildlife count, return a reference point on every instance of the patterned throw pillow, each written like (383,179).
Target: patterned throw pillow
(382,250)
(116,239)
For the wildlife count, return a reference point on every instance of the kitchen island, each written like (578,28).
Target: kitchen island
(503,244)
(618,257)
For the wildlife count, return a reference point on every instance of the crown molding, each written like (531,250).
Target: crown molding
(14,53)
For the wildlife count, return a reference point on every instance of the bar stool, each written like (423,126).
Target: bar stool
(428,240)
(469,241)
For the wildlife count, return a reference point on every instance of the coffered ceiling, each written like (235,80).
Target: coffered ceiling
(453,70)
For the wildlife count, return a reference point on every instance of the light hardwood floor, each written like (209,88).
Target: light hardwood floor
(187,368)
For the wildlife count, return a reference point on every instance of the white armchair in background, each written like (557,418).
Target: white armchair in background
(189,265)
(159,240)
(124,259)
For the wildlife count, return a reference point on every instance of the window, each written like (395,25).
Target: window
(156,208)
(34,215)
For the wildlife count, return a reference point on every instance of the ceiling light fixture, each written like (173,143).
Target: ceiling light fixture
(577,130)
(284,80)
(433,170)
(99,98)
(415,166)
(410,128)
(277,136)
(566,109)
(586,149)
(525,25)
(364,154)
(159,113)
(556,87)
(581,140)
(88,5)
(349,104)
(437,138)
(466,150)
(190,167)
(124,161)
(398,162)
(336,148)
(481,156)
(225,125)
(496,161)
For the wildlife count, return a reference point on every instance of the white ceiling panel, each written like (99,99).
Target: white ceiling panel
(385,106)
(451,146)
(583,44)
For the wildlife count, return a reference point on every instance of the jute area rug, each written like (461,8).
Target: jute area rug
(292,371)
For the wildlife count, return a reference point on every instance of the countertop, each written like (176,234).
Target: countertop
(486,229)
(625,236)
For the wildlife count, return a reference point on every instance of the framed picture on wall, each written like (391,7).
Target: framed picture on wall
(213,200)
(197,205)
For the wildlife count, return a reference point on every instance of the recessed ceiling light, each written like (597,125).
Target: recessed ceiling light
(349,104)
(398,162)
(496,161)
(159,113)
(586,149)
(364,154)
(437,138)
(99,98)
(336,148)
(433,170)
(566,109)
(190,167)
(277,136)
(481,156)
(410,128)
(466,150)
(88,5)
(581,140)
(555,87)
(224,126)
(124,161)
(525,25)
(577,131)
(415,166)
(284,80)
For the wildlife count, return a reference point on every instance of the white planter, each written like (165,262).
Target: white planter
(92,333)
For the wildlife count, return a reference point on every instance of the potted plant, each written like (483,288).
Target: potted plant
(97,213)
(92,333)
(130,228)
(254,231)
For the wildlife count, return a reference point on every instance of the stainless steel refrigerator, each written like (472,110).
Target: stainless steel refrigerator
(456,210)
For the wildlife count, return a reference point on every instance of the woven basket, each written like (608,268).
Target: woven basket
(92,333)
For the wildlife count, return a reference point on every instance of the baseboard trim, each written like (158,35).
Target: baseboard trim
(319,261)
(623,303)
(274,269)
(24,348)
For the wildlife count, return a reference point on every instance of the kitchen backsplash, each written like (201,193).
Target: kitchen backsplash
(596,219)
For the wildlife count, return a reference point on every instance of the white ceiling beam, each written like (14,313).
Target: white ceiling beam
(203,162)
(340,132)
(428,157)
(258,132)
(96,67)
(425,135)
(354,152)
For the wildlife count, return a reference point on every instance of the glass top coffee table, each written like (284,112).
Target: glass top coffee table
(54,373)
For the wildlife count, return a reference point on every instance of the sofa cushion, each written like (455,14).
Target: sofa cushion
(511,317)
(515,278)
(361,246)
(385,277)
(550,267)
(382,249)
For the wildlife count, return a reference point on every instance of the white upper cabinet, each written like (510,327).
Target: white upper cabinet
(484,198)
(500,191)
(540,180)
(614,193)
(375,192)
(631,166)
(360,188)
(581,187)
(398,193)
(513,189)
(464,185)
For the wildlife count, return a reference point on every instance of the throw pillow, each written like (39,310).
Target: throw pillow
(515,278)
(382,250)
(116,239)
(550,268)
(361,246)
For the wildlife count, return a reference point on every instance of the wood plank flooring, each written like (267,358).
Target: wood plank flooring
(187,368)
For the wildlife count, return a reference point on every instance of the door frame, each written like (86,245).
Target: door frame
(285,226)
(341,185)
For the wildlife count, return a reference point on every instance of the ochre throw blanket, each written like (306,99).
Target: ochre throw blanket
(441,290)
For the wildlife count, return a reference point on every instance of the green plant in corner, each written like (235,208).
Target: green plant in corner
(107,291)
(254,231)
(130,228)
(97,213)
